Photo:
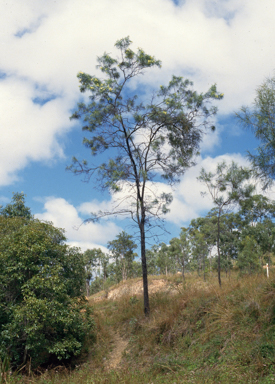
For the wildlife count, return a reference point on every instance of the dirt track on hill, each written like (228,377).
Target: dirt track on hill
(115,356)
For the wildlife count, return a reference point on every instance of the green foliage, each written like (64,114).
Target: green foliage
(260,119)
(43,313)
(17,207)
(228,187)
(180,250)
(122,250)
(163,260)
(96,263)
(5,370)
(257,208)
(264,234)
(151,258)
(249,256)
(199,249)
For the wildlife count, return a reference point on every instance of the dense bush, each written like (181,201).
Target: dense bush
(43,311)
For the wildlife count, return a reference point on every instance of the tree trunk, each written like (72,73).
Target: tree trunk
(124,270)
(144,268)
(87,288)
(183,271)
(204,279)
(219,255)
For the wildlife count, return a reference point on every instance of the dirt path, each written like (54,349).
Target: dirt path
(116,354)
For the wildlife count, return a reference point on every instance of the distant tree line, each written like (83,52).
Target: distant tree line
(223,239)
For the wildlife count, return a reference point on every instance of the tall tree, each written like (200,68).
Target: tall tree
(260,119)
(157,135)
(227,187)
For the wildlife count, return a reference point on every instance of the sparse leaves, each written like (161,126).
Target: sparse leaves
(260,119)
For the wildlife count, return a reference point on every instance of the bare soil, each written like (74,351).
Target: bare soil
(133,288)
(115,356)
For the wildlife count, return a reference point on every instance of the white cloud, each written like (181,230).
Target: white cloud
(188,202)
(29,131)
(64,215)
(44,44)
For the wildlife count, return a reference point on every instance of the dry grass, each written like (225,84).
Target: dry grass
(196,333)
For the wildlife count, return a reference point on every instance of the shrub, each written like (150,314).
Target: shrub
(43,312)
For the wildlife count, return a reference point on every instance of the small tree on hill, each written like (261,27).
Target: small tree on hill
(157,135)
(96,262)
(180,249)
(122,249)
(227,188)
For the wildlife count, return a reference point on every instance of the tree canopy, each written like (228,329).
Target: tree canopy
(260,119)
(227,187)
(17,207)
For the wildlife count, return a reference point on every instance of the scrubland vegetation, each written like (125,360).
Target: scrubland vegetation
(197,333)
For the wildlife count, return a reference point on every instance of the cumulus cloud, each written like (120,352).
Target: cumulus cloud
(29,130)
(44,45)
(64,215)
(188,202)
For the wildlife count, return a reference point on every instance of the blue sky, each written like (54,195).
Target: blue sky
(45,43)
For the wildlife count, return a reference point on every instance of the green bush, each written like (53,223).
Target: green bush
(43,311)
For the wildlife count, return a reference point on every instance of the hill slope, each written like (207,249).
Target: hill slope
(196,333)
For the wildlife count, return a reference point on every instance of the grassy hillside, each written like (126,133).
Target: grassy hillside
(197,333)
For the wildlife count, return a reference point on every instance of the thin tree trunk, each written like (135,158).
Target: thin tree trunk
(144,268)
(124,270)
(87,288)
(219,255)
(204,267)
(227,265)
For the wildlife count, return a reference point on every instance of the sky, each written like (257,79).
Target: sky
(45,43)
